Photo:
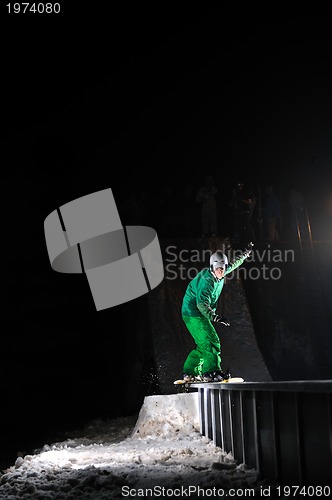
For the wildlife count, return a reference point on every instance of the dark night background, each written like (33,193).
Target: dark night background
(139,99)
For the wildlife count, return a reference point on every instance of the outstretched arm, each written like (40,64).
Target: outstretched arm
(240,259)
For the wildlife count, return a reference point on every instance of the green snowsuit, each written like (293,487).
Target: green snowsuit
(198,307)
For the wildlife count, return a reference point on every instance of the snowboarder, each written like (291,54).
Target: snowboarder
(199,313)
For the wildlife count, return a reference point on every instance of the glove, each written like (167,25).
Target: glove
(248,250)
(221,319)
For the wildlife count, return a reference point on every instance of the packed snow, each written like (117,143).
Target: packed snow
(159,453)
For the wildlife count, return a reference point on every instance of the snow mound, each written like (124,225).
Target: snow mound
(168,415)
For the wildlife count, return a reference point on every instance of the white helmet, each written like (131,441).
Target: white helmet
(218,259)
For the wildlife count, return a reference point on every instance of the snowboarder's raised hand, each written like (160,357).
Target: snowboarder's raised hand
(222,320)
(248,250)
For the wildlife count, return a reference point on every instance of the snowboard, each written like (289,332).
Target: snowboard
(226,381)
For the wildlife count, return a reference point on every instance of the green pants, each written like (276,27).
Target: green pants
(206,357)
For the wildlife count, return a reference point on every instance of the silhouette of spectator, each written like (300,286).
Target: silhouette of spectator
(187,211)
(296,206)
(243,203)
(206,196)
(134,209)
(259,218)
(272,214)
(168,213)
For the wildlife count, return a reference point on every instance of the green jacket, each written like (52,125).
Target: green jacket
(203,292)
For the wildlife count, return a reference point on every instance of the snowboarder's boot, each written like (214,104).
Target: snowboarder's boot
(192,378)
(216,376)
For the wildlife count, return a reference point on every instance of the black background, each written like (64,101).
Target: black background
(130,98)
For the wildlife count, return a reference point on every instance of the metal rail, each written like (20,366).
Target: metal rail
(282,429)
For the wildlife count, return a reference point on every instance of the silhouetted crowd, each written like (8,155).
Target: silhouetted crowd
(243,213)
